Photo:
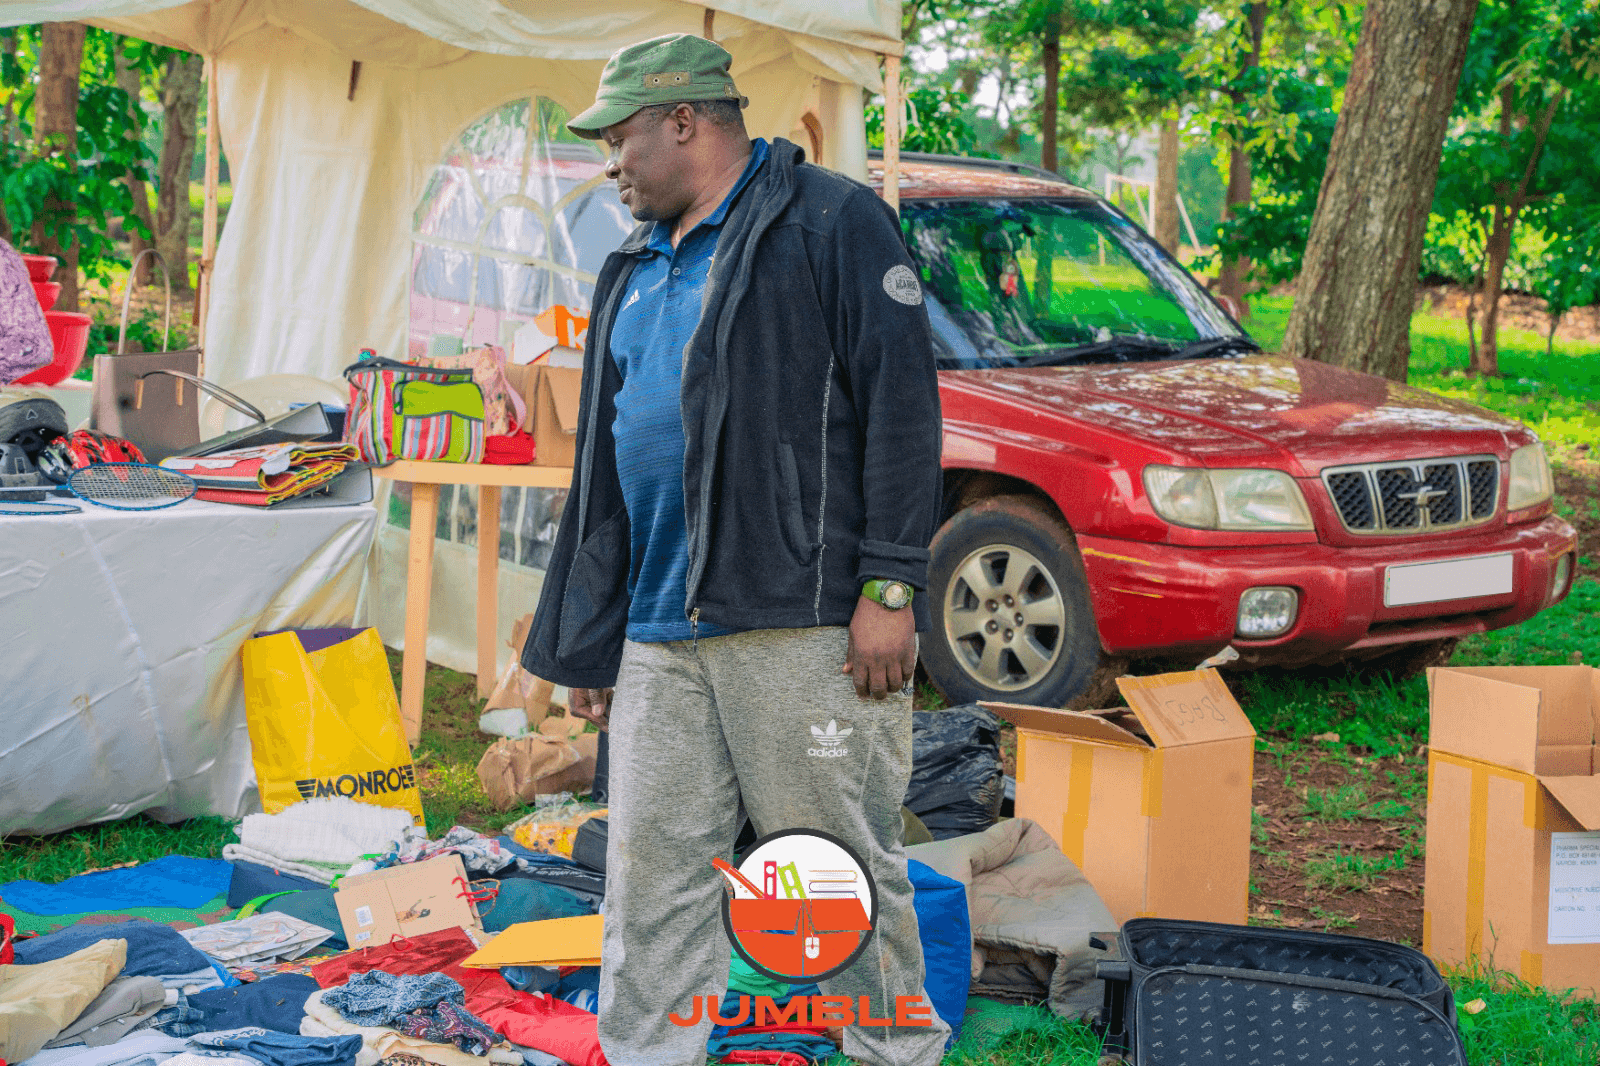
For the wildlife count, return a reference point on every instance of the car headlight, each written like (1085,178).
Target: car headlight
(1227,499)
(1530,478)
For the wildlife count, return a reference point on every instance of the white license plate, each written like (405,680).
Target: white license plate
(1451,579)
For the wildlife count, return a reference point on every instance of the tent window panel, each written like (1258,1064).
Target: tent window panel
(516,217)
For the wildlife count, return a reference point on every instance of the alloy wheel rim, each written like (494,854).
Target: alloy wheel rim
(1004,617)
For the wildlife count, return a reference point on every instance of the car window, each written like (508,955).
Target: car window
(1014,281)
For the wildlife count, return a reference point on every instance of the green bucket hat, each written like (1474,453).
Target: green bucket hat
(674,69)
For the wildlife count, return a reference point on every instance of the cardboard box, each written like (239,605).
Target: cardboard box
(551,393)
(406,900)
(1513,846)
(1151,801)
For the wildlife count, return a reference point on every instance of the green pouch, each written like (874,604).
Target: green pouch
(438,420)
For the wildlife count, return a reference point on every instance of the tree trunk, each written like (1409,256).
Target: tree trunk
(1166,191)
(1049,121)
(1230,282)
(55,127)
(180,99)
(129,81)
(1485,355)
(1359,279)
(8,125)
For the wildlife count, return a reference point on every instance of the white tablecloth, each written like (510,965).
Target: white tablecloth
(120,684)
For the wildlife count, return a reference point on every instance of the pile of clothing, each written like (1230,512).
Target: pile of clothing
(283,986)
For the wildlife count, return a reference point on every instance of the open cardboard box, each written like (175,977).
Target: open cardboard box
(1151,801)
(551,393)
(1513,845)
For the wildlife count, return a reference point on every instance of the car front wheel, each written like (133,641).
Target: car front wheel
(1011,614)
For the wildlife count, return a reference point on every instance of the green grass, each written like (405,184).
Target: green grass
(61,855)
(1347,871)
(1521,1025)
(1549,638)
(1346,803)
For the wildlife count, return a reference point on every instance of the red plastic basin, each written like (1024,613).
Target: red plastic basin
(40,267)
(69,331)
(48,293)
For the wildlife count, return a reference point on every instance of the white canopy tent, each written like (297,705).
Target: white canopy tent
(333,114)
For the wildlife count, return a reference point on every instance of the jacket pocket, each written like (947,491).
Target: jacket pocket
(594,607)
(791,516)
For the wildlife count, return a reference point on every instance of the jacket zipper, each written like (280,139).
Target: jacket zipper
(694,629)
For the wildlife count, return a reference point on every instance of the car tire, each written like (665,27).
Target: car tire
(1000,560)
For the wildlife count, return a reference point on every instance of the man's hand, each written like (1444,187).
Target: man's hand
(883,649)
(592,704)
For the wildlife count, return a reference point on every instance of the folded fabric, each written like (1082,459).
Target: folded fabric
(153,950)
(534,1057)
(448,1023)
(482,856)
(588,885)
(252,881)
(195,980)
(318,839)
(276,1003)
(378,998)
(766,1058)
(140,1045)
(382,1042)
(123,1004)
(38,1001)
(273,1048)
(807,1041)
(170,881)
(209,1058)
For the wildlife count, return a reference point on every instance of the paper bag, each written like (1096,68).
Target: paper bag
(513,768)
(517,687)
(408,900)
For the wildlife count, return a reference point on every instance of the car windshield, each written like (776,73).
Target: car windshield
(1054,282)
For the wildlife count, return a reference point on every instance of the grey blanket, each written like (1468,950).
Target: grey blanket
(1032,913)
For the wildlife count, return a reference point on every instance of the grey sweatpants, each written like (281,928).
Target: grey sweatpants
(697,729)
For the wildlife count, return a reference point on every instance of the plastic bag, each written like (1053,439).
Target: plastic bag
(957,778)
(553,826)
(324,720)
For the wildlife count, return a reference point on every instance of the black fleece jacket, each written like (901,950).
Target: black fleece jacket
(811,424)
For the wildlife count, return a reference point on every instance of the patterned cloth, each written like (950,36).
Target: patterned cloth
(482,856)
(378,998)
(448,1023)
(25,343)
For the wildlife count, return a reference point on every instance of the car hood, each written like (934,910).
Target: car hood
(1258,409)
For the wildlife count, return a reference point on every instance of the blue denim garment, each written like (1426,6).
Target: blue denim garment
(280,1049)
(153,950)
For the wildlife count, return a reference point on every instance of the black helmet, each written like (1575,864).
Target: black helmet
(30,420)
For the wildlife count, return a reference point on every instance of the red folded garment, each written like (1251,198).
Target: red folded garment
(543,1023)
(767,1058)
(508,449)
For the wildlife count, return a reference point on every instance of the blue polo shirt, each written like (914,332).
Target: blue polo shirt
(658,317)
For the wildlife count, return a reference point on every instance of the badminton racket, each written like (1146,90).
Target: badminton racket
(21,507)
(131,486)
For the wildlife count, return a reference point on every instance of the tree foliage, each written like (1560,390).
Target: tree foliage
(91,175)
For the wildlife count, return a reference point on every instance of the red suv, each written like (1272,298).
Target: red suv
(1126,473)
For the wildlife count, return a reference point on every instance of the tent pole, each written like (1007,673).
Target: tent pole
(709,24)
(208,240)
(891,130)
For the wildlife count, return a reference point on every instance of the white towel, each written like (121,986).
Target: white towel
(326,835)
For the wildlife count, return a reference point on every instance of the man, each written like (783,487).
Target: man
(744,547)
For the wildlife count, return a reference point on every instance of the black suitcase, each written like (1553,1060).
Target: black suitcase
(1215,1016)
(1269,956)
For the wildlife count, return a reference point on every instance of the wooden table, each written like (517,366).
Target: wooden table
(425,479)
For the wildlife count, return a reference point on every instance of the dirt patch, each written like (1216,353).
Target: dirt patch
(1578,485)
(1337,844)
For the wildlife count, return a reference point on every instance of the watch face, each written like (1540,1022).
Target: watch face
(896,595)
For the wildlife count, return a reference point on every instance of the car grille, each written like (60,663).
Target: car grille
(1427,495)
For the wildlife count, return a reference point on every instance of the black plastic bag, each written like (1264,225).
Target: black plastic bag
(957,778)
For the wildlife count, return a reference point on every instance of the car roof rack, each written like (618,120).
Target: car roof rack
(1007,165)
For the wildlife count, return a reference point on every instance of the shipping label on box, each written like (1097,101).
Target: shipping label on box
(1152,802)
(405,900)
(1513,813)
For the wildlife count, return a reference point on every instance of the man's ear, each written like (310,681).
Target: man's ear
(684,119)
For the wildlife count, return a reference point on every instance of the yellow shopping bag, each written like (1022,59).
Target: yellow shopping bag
(324,720)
